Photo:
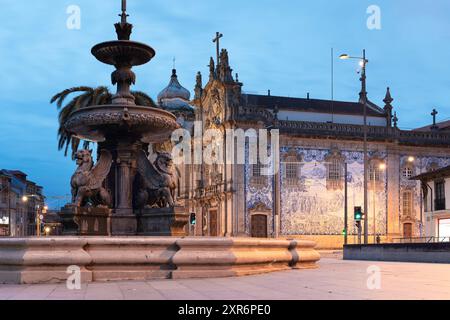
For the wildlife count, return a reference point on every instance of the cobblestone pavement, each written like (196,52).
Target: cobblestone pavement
(335,279)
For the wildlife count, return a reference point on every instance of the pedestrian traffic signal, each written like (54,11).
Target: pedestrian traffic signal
(193,219)
(358,214)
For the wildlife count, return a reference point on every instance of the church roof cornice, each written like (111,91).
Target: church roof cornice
(311,105)
(355,132)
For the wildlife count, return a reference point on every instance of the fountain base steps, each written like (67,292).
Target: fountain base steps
(57,259)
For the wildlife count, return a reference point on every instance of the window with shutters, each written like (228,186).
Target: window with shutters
(407,203)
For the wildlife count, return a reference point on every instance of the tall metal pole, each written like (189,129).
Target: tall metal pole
(374,211)
(38,222)
(363,99)
(9,211)
(346,206)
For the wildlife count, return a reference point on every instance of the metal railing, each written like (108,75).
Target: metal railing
(422,240)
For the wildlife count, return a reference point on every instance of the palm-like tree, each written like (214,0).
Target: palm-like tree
(87,97)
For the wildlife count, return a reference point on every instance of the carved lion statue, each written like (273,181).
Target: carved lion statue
(159,181)
(88,179)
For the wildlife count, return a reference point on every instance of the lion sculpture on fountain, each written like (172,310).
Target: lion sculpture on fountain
(158,181)
(88,179)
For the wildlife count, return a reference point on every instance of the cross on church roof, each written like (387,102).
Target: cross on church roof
(216,40)
(434,114)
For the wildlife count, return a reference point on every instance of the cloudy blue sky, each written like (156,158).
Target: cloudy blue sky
(282,45)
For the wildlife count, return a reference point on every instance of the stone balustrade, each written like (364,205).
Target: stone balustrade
(46,260)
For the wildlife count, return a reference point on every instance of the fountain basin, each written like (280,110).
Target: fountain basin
(95,123)
(49,260)
(135,53)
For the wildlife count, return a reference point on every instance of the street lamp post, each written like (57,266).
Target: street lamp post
(37,208)
(363,100)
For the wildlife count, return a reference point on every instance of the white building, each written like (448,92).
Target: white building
(436,202)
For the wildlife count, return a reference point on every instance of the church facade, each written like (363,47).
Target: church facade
(319,140)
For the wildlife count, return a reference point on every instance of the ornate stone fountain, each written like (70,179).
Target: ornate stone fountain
(115,196)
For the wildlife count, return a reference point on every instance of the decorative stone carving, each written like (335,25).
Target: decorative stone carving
(87,180)
(159,183)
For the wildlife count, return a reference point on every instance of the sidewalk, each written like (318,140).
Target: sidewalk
(335,279)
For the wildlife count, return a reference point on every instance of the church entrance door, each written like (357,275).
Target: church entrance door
(407,230)
(213,223)
(259,226)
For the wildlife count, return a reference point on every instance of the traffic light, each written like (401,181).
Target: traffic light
(193,219)
(344,232)
(358,214)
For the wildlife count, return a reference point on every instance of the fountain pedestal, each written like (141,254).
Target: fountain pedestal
(90,221)
(162,222)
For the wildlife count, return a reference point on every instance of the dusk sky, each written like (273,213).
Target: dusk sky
(283,45)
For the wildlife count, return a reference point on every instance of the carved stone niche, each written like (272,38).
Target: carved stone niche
(334,163)
(260,208)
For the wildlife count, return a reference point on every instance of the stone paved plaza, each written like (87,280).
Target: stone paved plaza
(335,279)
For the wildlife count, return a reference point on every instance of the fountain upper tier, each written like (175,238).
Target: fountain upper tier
(127,52)
(98,123)
(122,118)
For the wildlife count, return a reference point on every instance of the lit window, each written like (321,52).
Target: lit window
(374,172)
(407,172)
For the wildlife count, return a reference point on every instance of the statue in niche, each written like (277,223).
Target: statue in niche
(88,179)
(158,183)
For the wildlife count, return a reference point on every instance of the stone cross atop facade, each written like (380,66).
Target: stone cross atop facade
(216,40)
(434,114)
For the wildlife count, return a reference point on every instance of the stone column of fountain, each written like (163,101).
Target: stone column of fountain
(121,129)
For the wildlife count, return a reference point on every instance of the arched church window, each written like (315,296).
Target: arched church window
(292,170)
(335,169)
(259,176)
(291,163)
